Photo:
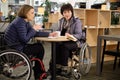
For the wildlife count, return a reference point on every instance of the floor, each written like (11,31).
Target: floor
(108,73)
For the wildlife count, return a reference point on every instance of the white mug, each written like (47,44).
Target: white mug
(58,33)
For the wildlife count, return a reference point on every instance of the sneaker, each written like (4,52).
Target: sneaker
(58,71)
(65,73)
(1,68)
(42,75)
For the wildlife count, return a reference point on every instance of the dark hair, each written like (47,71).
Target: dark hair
(67,6)
(24,10)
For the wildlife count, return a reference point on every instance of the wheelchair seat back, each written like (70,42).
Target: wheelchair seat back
(83,38)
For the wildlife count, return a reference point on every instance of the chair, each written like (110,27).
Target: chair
(114,53)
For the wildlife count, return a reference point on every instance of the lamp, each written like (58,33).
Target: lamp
(41,10)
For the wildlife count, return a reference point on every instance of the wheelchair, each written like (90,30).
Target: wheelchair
(80,63)
(15,65)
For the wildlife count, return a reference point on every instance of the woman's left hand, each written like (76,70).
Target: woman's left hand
(67,34)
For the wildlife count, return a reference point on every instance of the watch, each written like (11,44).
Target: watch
(3,1)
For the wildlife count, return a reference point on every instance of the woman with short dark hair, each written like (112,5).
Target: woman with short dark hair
(68,25)
(20,31)
(67,7)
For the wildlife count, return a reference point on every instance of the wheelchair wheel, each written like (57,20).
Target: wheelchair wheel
(14,65)
(85,59)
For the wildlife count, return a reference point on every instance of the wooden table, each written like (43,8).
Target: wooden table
(53,50)
(99,45)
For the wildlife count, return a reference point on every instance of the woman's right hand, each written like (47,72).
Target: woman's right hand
(53,34)
(37,27)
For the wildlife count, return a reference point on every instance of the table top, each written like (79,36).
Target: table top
(110,37)
(56,39)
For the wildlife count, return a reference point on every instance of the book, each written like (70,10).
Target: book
(71,37)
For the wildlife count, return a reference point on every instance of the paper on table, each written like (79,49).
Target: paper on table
(51,37)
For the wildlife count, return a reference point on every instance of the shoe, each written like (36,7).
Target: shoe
(58,71)
(1,68)
(37,77)
(65,73)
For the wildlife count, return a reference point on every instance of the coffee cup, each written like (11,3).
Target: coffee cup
(58,33)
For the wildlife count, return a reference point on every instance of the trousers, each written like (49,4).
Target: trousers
(64,51)
(36,50)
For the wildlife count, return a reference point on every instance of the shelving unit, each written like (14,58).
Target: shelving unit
(97,22)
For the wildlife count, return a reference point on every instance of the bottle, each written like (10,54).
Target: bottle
(108,5)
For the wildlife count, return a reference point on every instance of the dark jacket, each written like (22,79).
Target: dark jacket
(75,28)
(19,32)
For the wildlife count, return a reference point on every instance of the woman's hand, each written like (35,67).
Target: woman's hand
(53,34)
(67,34)
(37,27)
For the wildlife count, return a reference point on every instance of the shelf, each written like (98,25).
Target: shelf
(101,31)
(104,19)
(115,26)
(111,43)
(91,35)
(80,13)
(113,31)
(91,18)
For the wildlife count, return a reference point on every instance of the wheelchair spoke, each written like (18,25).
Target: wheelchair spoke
(15,60)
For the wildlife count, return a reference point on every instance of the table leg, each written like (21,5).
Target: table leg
(53,61)
(98,62)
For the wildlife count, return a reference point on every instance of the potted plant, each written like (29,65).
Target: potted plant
(115,18)
(47,6)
